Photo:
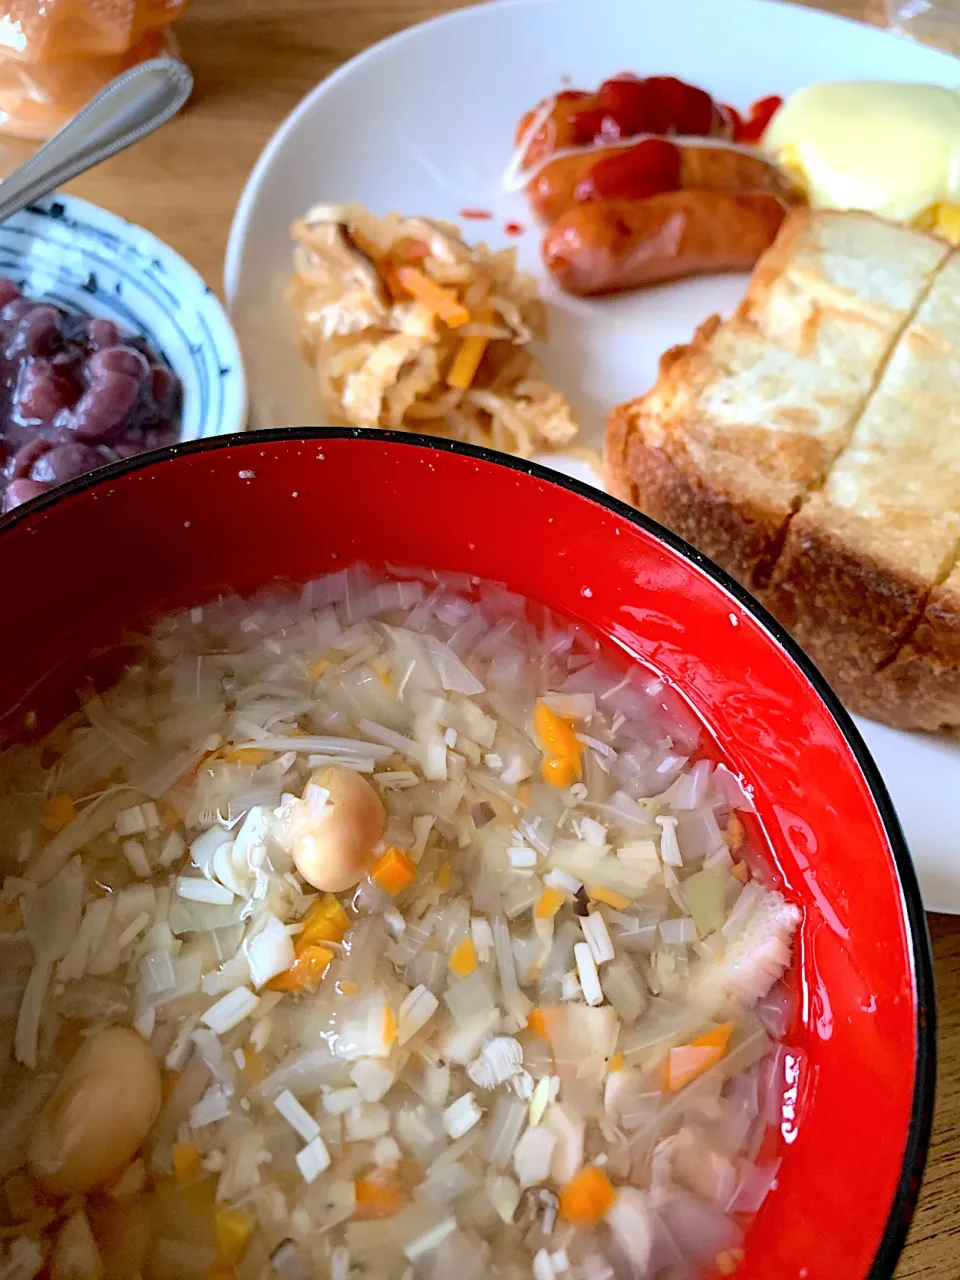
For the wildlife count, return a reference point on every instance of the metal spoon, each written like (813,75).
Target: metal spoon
(128,109)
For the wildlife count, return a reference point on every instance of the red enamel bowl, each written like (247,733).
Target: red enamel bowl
(173,528)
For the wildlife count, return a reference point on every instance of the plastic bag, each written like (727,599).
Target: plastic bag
(56,54)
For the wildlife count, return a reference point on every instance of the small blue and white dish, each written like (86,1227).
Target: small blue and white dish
(66,251)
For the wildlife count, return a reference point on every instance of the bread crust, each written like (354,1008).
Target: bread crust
(920,687)
(701,495)
(844,607)
(874,599)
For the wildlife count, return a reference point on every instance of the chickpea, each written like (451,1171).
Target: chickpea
(334,850)
(101,1110)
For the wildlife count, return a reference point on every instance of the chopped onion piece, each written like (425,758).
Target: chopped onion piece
(460,1116)
(269,952)
(366,1122)
(533,1155)
(587,974)
(415,1012)
(597,937)
(196,889)
(500,1058)
(669,847)
(230,1010)
(374,1079)
(313,1159)
(213,1106)
(296,1115)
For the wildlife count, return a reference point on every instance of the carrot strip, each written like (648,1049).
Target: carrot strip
(444,303)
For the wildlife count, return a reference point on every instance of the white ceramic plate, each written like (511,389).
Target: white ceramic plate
(423,123)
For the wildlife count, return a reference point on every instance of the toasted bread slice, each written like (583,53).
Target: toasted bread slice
(747,420)
(864,554)
(920,687)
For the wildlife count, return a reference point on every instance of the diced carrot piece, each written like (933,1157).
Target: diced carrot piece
(586,1199)
(463,958)
(615,1063)
(444,877)
(233,1231)
(557,736)
(389,1026)
(347,988)
(688,1061)
(11,917)
(557,771)
(58,811)
(186,1162)
(544,1021)
(393,871)
(444,303)
(537,1023)
(306,972)
(247,755)
(615,900)
(316,669)
(734,834)
(549,903)
(741,871)
(326,921)
(377,1200)
(717,1037)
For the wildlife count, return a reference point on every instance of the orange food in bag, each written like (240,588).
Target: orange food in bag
(55,55)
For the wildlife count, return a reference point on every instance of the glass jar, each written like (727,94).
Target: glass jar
(56,54)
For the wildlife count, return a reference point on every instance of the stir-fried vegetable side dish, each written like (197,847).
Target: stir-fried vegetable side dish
(386,929)
(408,327)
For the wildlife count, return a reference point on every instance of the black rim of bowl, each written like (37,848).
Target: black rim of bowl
(921,1117)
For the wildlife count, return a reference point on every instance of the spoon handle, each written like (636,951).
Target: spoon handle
(129,108)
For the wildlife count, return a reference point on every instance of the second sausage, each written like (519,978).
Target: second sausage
(647,168)
(607,246)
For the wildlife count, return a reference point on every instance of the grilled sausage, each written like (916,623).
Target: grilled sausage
(623,107)
(648,168)
(606,246)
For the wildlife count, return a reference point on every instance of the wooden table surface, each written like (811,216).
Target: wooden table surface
(253,60)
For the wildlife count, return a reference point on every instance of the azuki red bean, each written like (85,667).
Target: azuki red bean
(36,334)
(42,392)
(22,463)
(118,360)
(16,307)
(20,491)
(102,333)
(66,462)
(104,406)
